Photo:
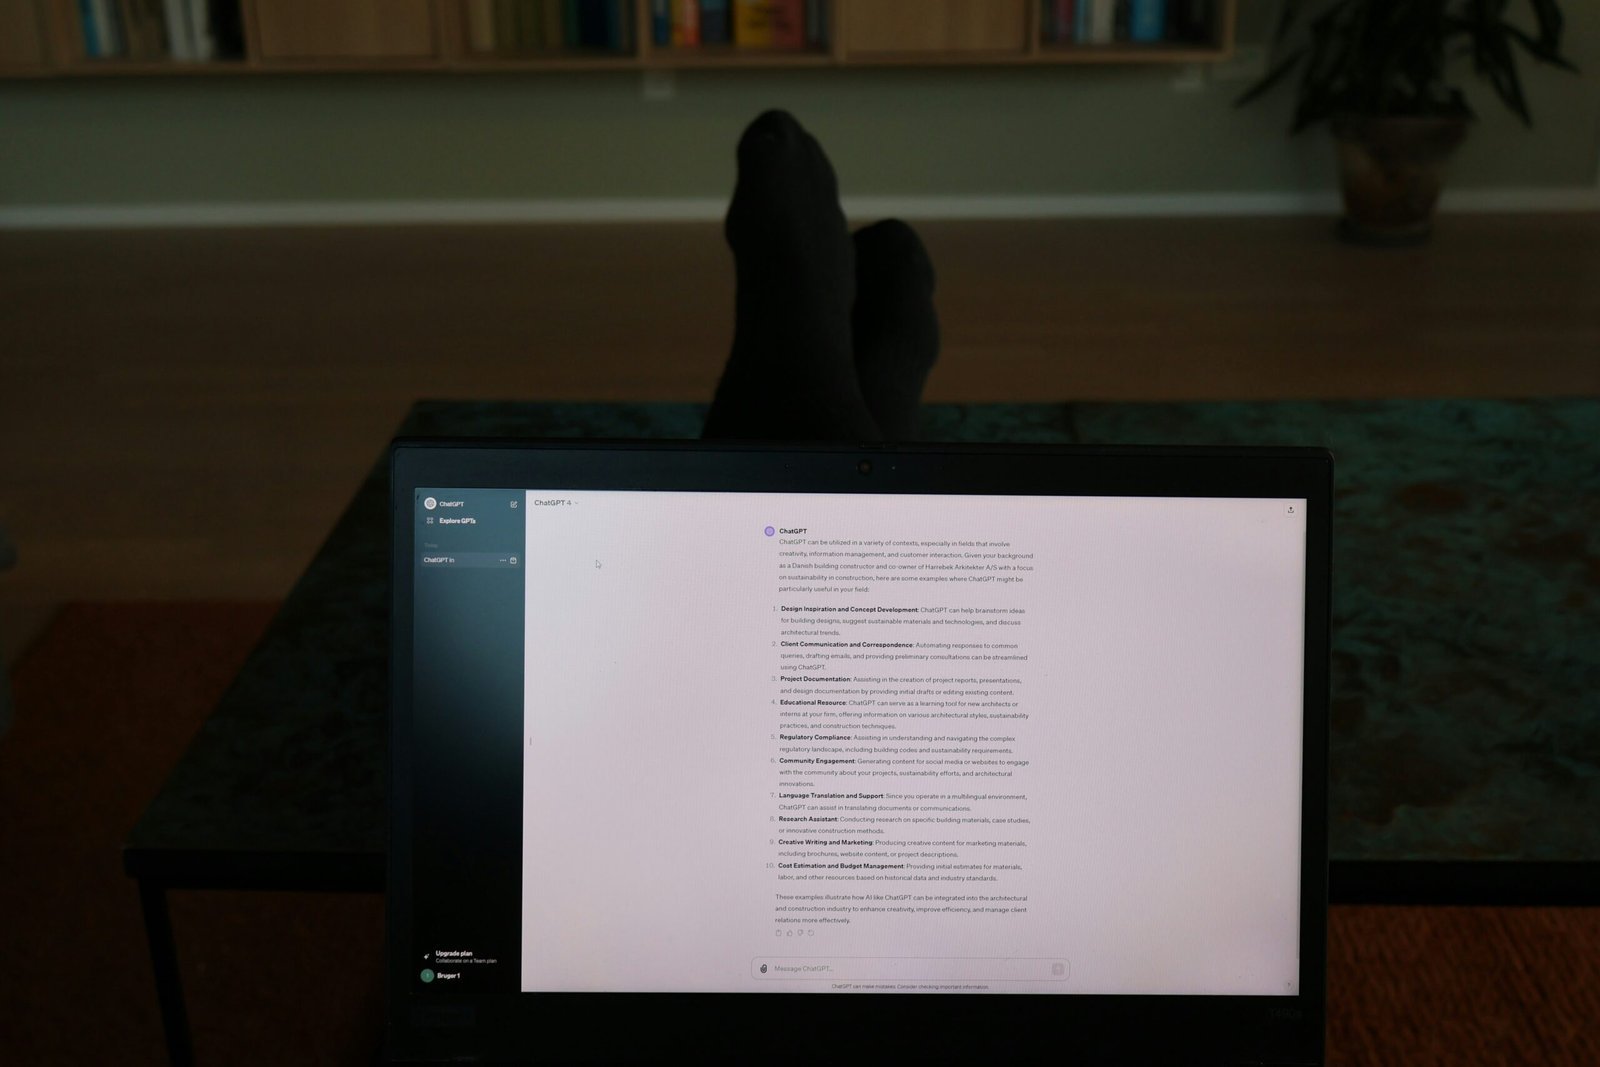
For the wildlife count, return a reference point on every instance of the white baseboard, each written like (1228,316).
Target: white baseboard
(697,209)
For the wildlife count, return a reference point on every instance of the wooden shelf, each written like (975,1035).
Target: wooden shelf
(1132,53)
(44,39)
(165,68)
(733,56)
(542,61)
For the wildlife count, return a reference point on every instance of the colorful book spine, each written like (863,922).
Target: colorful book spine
(788,23)
(752,23)
(685,23)
(180,42)
(716,23)
(205,43)
(1147,20)
(91,30)
(1066,21)
(816,24)
(1102,21)
(661,22)
(113,35)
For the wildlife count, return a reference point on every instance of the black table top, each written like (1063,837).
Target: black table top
(1466,667)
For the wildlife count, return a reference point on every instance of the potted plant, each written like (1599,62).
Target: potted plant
(1380,73)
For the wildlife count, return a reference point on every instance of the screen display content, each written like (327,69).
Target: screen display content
(814,743)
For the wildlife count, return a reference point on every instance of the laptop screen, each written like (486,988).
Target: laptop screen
(810,742)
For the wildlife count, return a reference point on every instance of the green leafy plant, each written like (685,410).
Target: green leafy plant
(1384,58)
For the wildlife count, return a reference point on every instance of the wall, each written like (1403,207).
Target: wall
(991,132)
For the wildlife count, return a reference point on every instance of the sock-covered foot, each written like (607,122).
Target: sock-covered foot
(896,331)
(790,375)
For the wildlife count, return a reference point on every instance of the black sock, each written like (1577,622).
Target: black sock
(896,331)
(790,375)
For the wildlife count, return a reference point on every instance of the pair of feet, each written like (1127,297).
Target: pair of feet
(834,333)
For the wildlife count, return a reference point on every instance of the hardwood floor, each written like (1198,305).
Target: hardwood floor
(183,413)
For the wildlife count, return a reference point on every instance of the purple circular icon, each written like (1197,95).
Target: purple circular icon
(769,531)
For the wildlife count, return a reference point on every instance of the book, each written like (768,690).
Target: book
(93,21)
(530,26)
(661,22)
(1102,21)
(716,24)
(1066,22)
(227,28)
(569,24)
(135,18)
(1119,26)
(505,25)
(205,45)
(553,33)
(590,30)
(752,23)
(1147,20)
(685,23)
(175,18)
(1192,20)
(91,31)
(788,23)
(1047,20)
(816,24)
(480,25)
(147,14)
(516,11)
(621,24)
(113,34)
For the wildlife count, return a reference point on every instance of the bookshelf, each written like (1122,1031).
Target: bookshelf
(48,38)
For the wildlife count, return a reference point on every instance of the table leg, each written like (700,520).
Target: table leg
(164,961)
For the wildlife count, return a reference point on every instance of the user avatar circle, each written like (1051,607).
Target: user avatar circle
(769,531)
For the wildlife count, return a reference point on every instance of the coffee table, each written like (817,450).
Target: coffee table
(1465,757)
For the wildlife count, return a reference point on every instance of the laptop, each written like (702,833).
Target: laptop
(771,753)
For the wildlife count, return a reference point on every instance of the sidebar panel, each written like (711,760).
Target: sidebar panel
(467,728)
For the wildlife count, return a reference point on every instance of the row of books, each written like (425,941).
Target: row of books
(539,25)
(193,30)
(499,26)
(775,24)
(1135,21)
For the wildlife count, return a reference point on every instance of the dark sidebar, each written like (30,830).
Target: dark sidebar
(467,735)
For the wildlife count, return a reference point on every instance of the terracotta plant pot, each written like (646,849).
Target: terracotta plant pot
(1392,170)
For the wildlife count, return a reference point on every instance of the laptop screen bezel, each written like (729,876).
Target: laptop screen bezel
(640,1027)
